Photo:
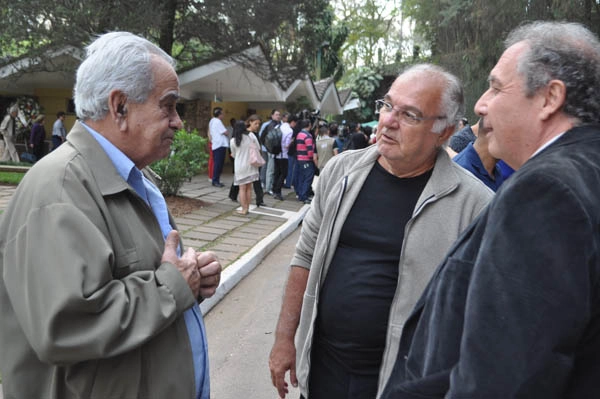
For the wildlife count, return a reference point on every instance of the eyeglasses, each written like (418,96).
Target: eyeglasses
(407,117)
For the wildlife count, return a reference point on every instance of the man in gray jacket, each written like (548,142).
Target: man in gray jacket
(382,219)
(98,299)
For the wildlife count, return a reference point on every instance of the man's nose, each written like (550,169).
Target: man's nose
(176,121)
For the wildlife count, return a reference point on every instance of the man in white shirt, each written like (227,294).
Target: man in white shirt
(220,142)
(59,134)
(281,159)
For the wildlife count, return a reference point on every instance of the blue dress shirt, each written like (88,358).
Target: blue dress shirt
(153,197)
(469,159)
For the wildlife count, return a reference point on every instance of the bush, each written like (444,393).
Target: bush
(188,157)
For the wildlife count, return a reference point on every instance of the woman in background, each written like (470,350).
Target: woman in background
(37,137)
(241,146)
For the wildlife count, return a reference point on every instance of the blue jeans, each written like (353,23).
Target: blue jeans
(306,172)
(56,141)
(289,180)
(218,160)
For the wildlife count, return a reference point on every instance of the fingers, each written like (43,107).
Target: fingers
(282,359)
(186,264)
(208,263)
(293,378)
(282,388)
(210,270)
(171,243)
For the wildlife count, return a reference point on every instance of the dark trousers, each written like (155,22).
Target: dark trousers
(38,151)
(289,180)
(258,192)
(306,173)
(219,160)
(330,380)
(281,171)
(56,141)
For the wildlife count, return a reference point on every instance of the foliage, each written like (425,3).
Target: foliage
(375,32)
(12,178)
(192,31)
(327,59)
(365,83)
(188,157)
(466,36)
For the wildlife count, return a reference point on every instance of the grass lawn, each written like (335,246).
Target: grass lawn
(15,163)
(11,177)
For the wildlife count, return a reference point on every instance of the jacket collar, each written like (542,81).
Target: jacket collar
(106,175)
(444,178)
(575,135)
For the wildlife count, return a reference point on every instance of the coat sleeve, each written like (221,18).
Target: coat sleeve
(64,294)
(4,124)
(529,296)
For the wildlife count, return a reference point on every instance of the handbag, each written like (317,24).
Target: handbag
(256,158)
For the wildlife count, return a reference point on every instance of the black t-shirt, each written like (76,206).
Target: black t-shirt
(358,290)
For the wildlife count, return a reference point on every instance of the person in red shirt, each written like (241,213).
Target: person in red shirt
(305,163)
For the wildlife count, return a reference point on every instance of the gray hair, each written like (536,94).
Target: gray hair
(564,51)
(115,61)
(452,103)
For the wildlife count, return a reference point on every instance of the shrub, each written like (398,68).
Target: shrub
(188,157)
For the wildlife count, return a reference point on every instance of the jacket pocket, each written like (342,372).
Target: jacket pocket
(126,262)
(304,339)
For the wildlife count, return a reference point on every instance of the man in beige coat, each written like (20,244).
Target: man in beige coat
(98,299)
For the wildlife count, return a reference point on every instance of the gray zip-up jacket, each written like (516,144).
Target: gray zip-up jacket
(452,198)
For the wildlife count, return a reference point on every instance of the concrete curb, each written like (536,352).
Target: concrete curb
(239,269)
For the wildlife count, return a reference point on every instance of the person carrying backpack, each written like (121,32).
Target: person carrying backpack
(267,171)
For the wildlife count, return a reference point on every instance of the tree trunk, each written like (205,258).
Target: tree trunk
(167,25)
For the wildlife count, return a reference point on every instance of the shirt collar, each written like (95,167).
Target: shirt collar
(122,163)
(546,144)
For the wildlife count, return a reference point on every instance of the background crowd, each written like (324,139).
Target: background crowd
(306,143)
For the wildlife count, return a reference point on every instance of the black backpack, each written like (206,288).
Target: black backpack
(273,140)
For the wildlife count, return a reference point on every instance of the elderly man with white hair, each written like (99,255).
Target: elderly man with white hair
(98,298)
(8,129)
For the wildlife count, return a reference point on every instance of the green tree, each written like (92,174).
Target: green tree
(466,36)
(365,82)
(375,34)
(191,30)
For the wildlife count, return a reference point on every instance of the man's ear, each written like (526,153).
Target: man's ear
(117,108)
(445,135)
(555,95)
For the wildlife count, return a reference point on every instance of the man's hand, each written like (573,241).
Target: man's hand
(283,354)
(186,264)
(282,359)
(210,271)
